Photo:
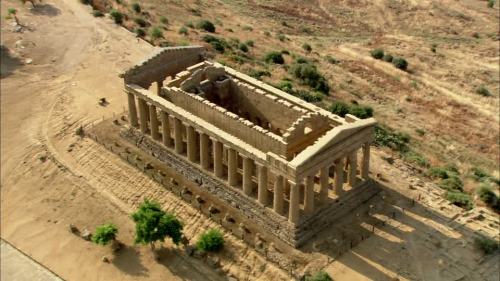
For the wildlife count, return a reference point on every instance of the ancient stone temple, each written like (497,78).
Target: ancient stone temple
(284,167)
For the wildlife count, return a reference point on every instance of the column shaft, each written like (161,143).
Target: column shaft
(132,111)
(309,195)
(278,194)
(191,143)
(218,159)
(353,163)
(154,122)
(165,129)
(339,177)
(232,164)
(204,153)
(293,212)
(247,175)
(179,146)
(365,166)
(143,115)
(262,192)
(324,176)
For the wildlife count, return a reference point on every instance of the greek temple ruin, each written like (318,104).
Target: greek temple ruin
(285,166)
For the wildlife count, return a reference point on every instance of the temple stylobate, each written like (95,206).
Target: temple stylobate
(283,164)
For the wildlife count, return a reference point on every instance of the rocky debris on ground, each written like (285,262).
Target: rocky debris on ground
(105,259)
(86,235)
(73,229)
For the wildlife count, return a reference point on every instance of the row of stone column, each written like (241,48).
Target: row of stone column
(215,157)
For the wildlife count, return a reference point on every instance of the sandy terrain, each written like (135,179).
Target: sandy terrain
(51,178)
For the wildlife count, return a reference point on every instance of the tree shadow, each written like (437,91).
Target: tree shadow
(127,260)
(45,10)
(403,225)
(8,63)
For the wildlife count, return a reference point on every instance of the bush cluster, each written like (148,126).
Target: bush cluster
(211,240)
(377,54)
(219,44)
(385,136)
(97,13)
(307,47)
(117,16)
(309,75)
(319,276)
(483,91)
(257,74)
(156,33)
(487,245)
(460,199)
(342,108)
(105,234)
(287,86)
(206,25)
(274,57)
(183,30)
(136,7)
(398,62)
(141,22)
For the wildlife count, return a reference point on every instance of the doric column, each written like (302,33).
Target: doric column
(204,153)
(179,146)
(323,181)
(191,143)
(293,211)
(132,111)
(309,195)
(353,164)
(165,129)
(232,165)
(262,192)
(247,175)
(339,177)
(143,115)
(278,194)
(218,159)
(154,122)
(365,166)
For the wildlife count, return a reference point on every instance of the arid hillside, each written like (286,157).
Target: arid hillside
(442,110)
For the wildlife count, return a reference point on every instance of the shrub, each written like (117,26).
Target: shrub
(307,47)
(97,14)
(140,32)
(219,44)
(156,33)
(257,74)
(310,76)
(377,53)
(189,24)
(247,28)
(274,57)
(400,63)
(141,22)
(433,48)
(361,111)
(206,25)
(437,172)
(487,195)
(460,199)
(339,108)
(479,174)
(384,136)
(136,7)
(285,52)
(414,157)
(453,183)
(483,91)
(105,234)
(487,245)
(243,47)
(183,30)
(331,59)
(210,241)
(250,43)
(267,33)
(285,86)
(319,276)
(163,20)
(387,58)
(281,37)
(116,16)
(80,131)
(307,96)
(491,3)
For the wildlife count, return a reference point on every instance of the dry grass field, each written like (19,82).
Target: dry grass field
(63,60)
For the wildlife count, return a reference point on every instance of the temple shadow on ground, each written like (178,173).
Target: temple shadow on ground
(422,224)
(45,10)
(8,62)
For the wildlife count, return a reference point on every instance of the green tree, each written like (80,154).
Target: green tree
(104,234)
(153,224)
(339,108)
(210,240)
